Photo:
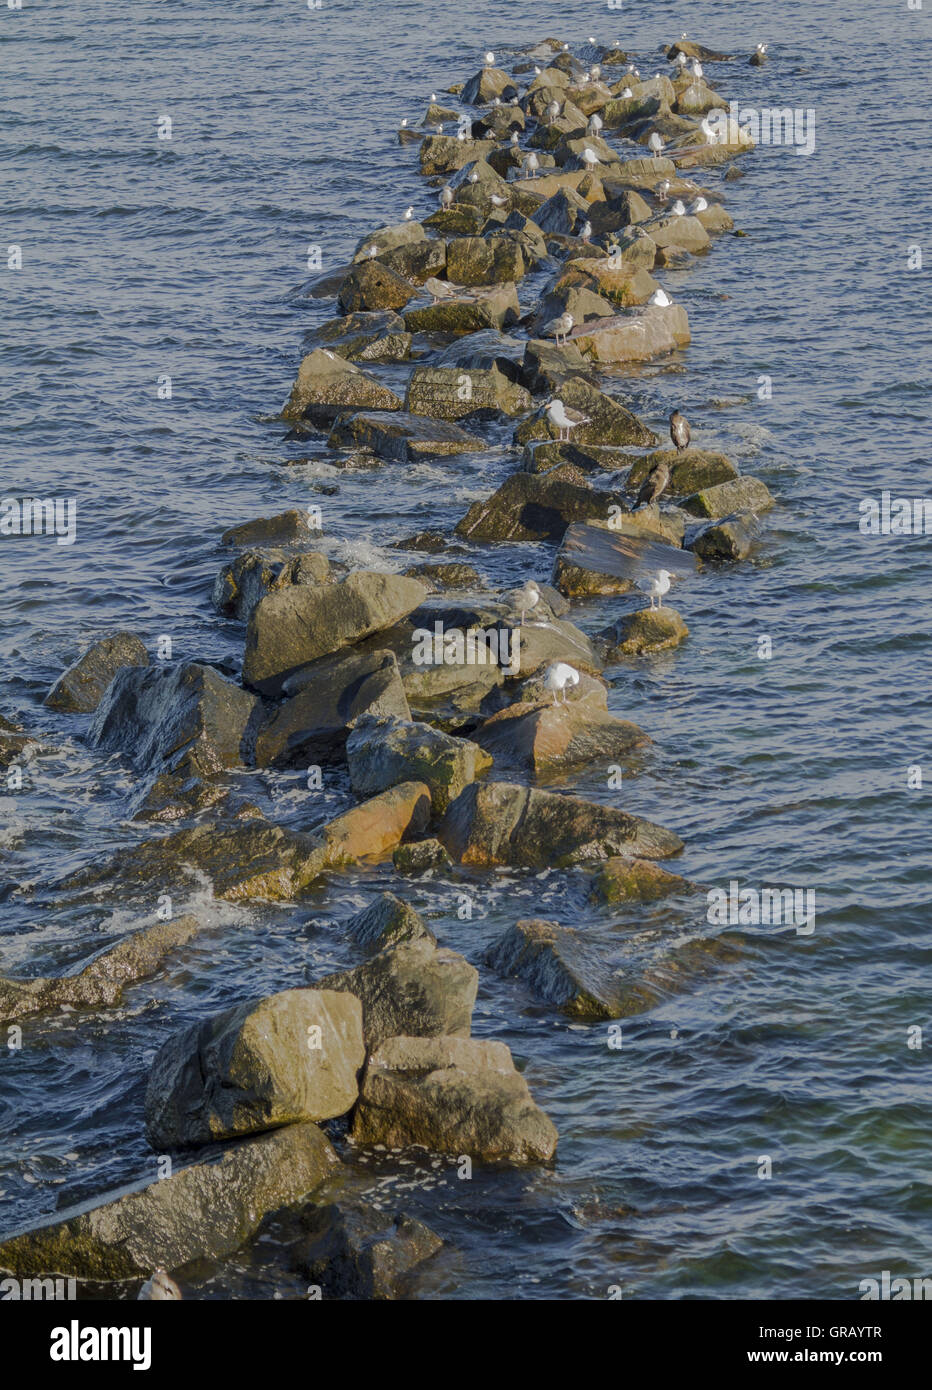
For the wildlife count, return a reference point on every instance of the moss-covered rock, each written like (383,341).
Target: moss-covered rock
(623,880)
(327,385)
(647,630)
(744,494)
(453,393)
(690,470)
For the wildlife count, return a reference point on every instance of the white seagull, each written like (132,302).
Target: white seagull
(586,232)
(661,299)
(409,213)
(696,68)
(558,677)
(553,110)
(564,417)
(489,59)
(533,163)
(656,143)
(699,205)
(626,94)
(710,134)
(561,326)
(595,124)
(679,208)
(446,196)
(590,158)
(655,585)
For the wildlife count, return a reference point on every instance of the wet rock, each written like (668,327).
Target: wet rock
(452,393)
(312,726)
(288,528)
(540,643)
(266,1062)
(295,626)
(471,313)
(582,568)
(451,1095)
(388,921)
(685,232)
(494,823)
(582,304)
(560,967)
(484,352)
(79,689)
(384,752)
(447,576)
(546,366)
(690,470)
(374,336)
(715,219)
(534,507)
(614,281)
(487,84)
(623,880)
(204,1211)
(168,797)
(694,98)
(242,583)
(461,219)
(647,630)
(453,694)
(624,209)
(387,238)
(182,719)
(13,742)
(562,212)
(102,981)
(609,421)
(421,855)
(371,285)
(732,539)
(691,49)
(359,1253)
(377,826)
(442,154)
(739,495)
(652,332)
(417,261)
(403,436)
(544,455)
(551,739)
(484,260)
(327,385)
(416,989)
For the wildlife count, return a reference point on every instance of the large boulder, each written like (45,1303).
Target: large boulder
(744,494)
(80,689)
(442,154)
(652,332)
(177,718)
(451,393)
(357,1252)
(470,312)
(615,281)
(296,626)
(484,260)
(550,739)
(560,967)
(646,630)
(387,922)
(264,1063)
(312,725)
(415,988)
(732,539)
(254,573)
(493,823)
(288,528)
(403,436)
(487,84)
(103,980)
(377,335)
(690,469)
(536,507)
(377,826)
(591,558)
(609,421)
(381,752)
(372,285)
(205,1211)
(327,385)
(451,1095)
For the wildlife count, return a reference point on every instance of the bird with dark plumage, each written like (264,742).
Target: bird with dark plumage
(655,484)
(679,431)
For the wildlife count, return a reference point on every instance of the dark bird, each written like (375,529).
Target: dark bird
(679,431)
(656,482)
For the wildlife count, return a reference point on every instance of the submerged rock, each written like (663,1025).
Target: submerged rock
(451,1095)
(560,967)
(419,856)
(296,626)
(403,436)
(102,981)
(623,880)
(204,1211)
(493,823)
(359,1253)
(327,385)
(13,742)
(416,988)
(288,528)
(80,689)
(387,922)
(647,630)
(382,752)
(183,719)
(264,1063)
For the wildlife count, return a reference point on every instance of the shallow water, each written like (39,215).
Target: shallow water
(143,258)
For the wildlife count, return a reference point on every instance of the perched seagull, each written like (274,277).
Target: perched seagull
(433,96)
(696,68)
(655,585)
(537,70)
(565,418)
(533,164)
(595,124)
(657,480)
(439,289)
(497,201)
(679,431)
(710,134)
(561,326)
(553,110)
(439,127)
(586,232)
(679,208)
(409,214)
(404,122)
(681,60)
(514,137)
(663,190)
(595,72)
(699,205)
(626,94)
(446,196)
(473,177)
(656,143)
(160,1287)
(523,600)
(489,59)
(558,677)
(496,101)
(661,299)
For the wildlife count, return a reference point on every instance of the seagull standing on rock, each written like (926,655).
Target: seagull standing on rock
(679,431)
(655,585)
(679,208)
(525,599)
(553,110)
(699,205)
(565,418)
(595,124)
(661,299)
(446,196)
(533,164)
(409,213)
(561,327)
(558,677)
(656,144)
(586,233)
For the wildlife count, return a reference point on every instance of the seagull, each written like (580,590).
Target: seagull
(473,177)
(537,70)
(656,586)
(440,289)
(160,1287)
(761,48)
(699,205)
(590,158)
(679,431)
(586,232)
(681,60)
(657,480)
(496,101)
(409,213)
(661,299)
(514,137)
(558,677)
(696,68)
(433,96)
(595,124)
(656,143)
(489,59)
(663,190)
(561,326)
(533,163)
(626,94)
(710,134)
(524,599)
(679,208)
(439,127)
(565,418)
(553,110)
(595,72)
(446,196)
(497,201)
(404,122)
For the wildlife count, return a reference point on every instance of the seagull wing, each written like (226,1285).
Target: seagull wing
(627,557)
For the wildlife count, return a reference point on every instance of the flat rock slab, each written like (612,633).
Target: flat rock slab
(536,507)
(452,1095)
(492,823)
(205,1211)
(744,494)
(452,393)
(596,559)
(403,436)
(268,1062)
(652,332)
(551,739)
(80,689)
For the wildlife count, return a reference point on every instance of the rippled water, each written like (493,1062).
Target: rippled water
(142,258)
